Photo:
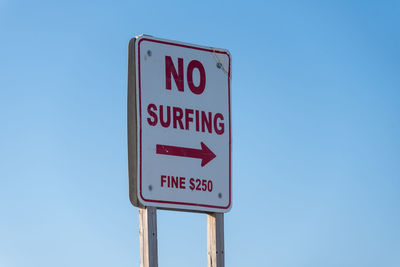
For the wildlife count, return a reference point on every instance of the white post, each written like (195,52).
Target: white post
(215,240)
(148,237)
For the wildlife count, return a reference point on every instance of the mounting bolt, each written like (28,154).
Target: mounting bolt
(220,195)
(149,53)
(219,65)
(150,187)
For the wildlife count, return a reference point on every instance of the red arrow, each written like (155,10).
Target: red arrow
(205,154)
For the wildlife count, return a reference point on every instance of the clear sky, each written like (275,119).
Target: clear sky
(316,132)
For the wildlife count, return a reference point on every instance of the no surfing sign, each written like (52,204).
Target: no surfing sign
(179,125)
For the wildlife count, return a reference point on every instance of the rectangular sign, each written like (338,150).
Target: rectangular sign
(179,125)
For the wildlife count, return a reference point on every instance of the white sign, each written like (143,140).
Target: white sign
(183,125)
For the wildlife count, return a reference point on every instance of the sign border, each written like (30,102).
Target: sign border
(139,196)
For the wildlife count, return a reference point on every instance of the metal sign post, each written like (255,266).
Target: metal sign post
(179,137)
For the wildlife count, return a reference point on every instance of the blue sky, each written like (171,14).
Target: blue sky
(316,127)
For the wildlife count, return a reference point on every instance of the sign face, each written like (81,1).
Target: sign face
(179,132)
